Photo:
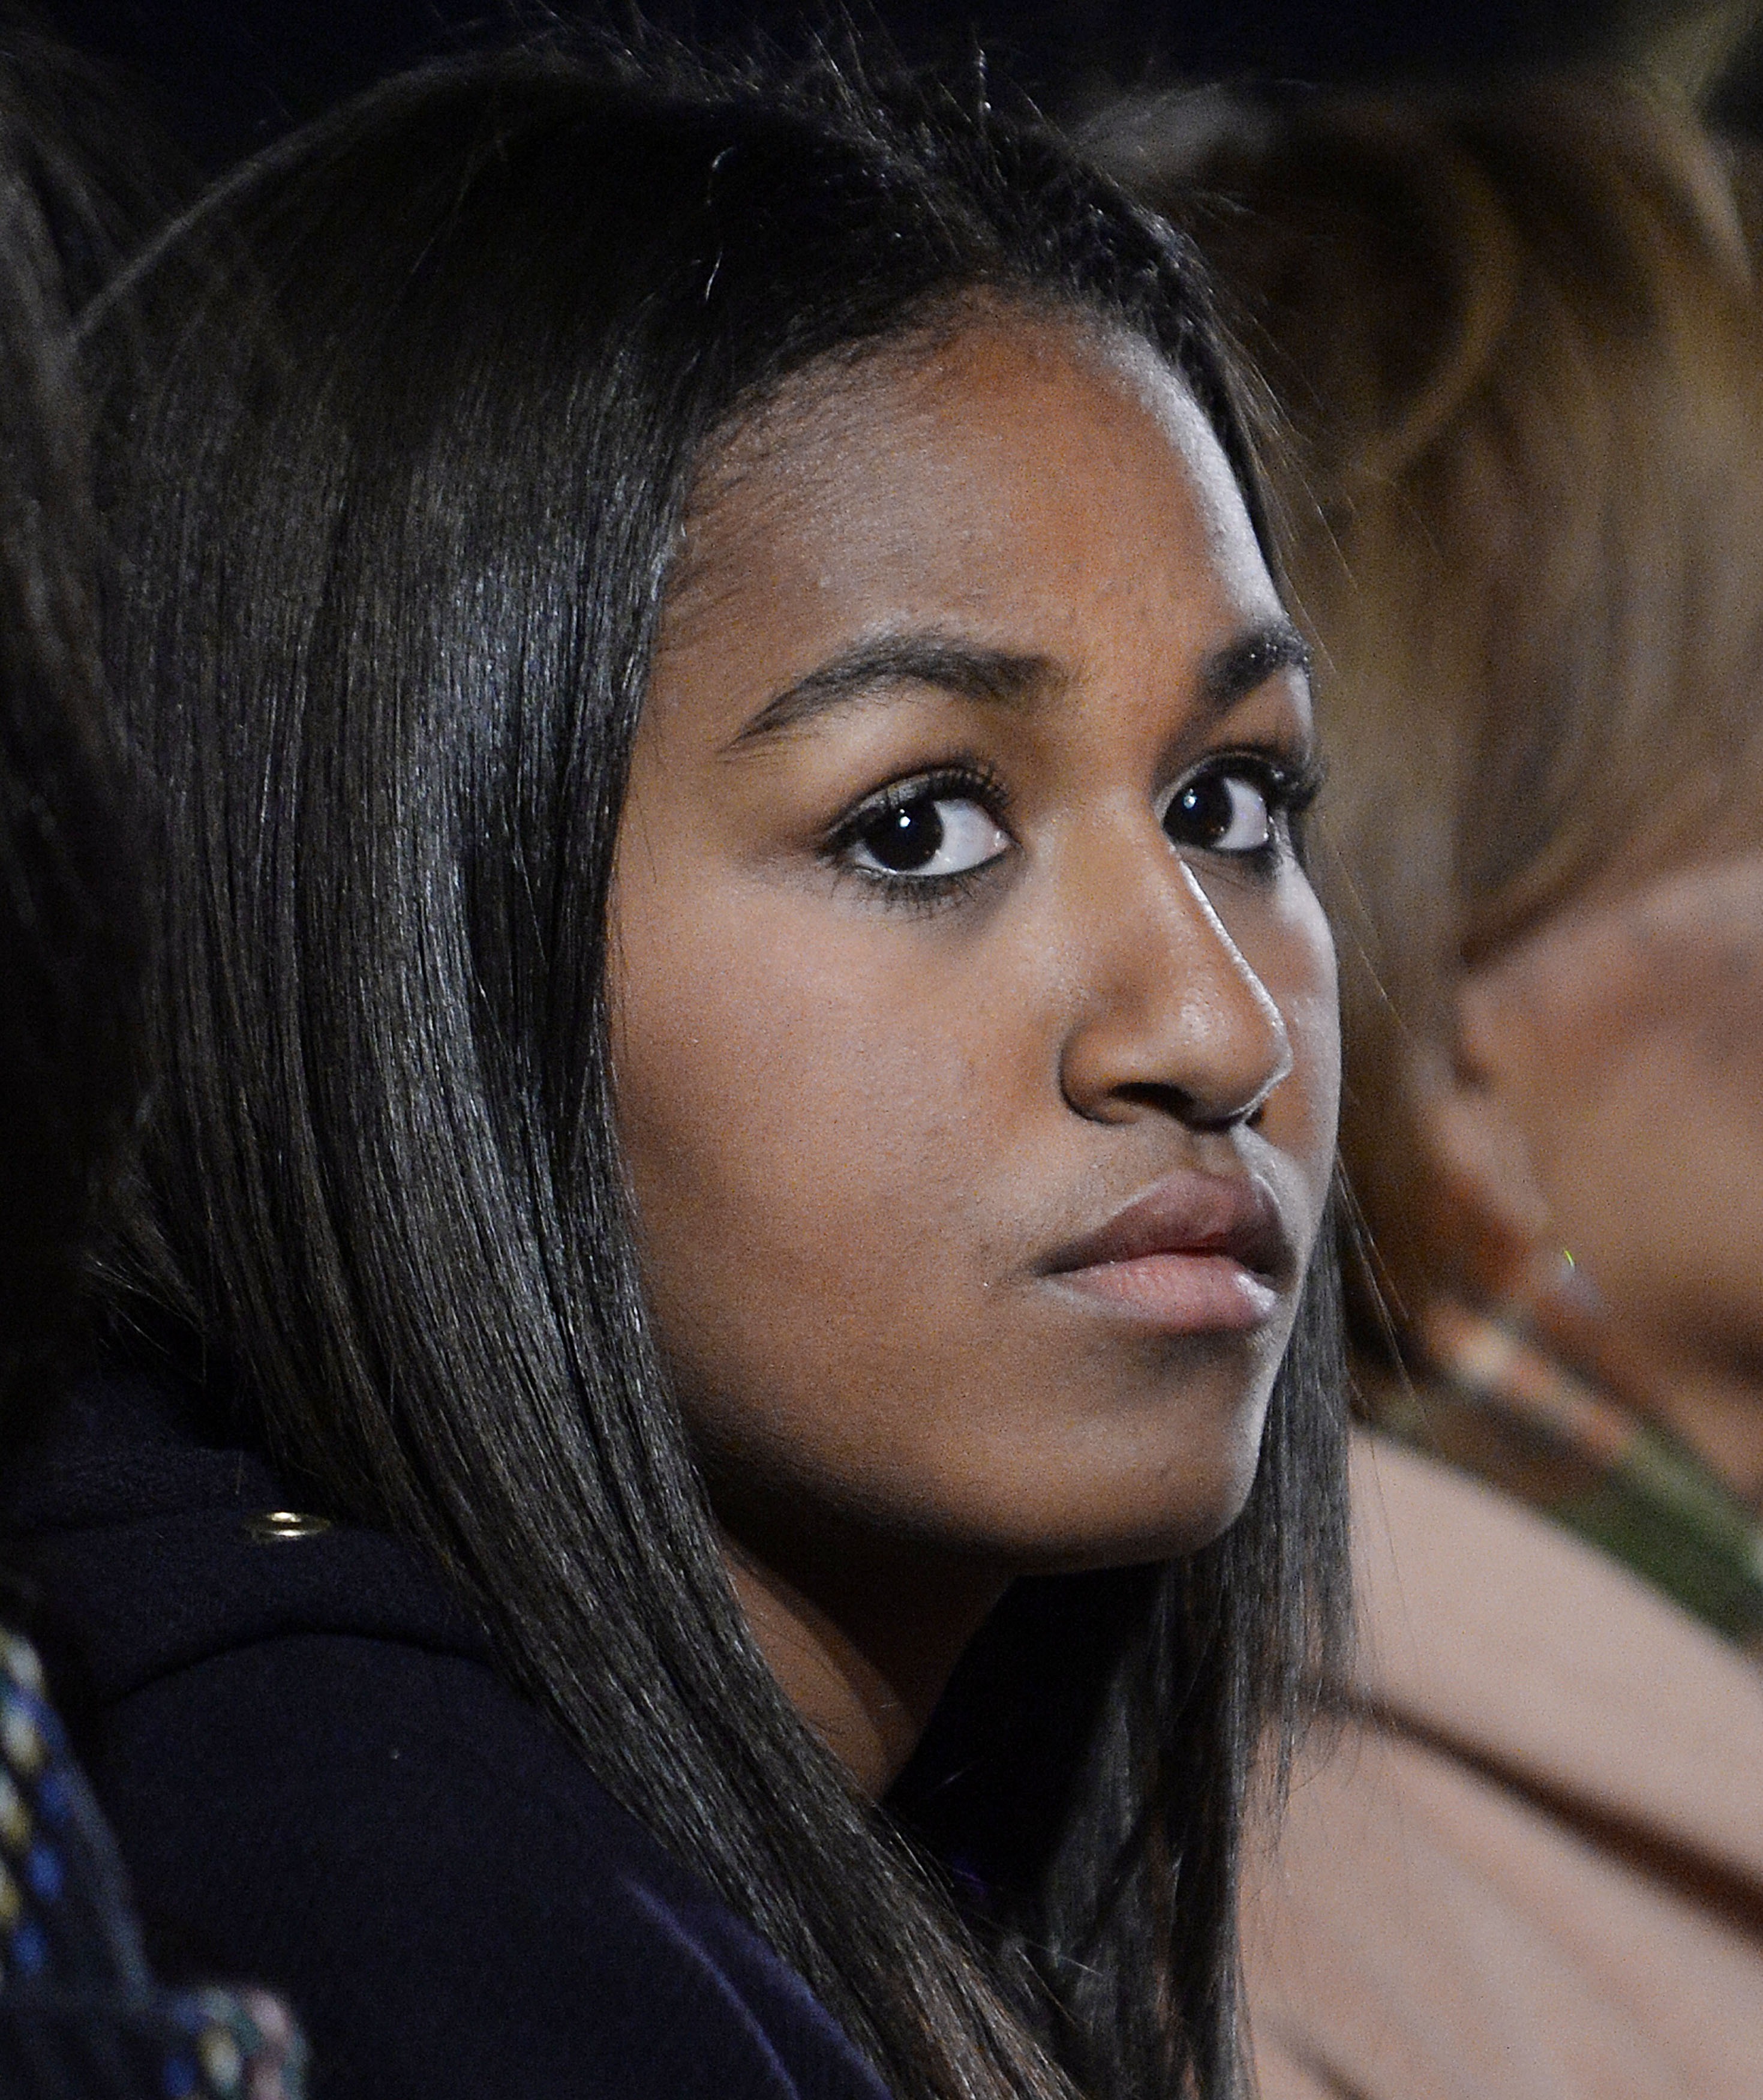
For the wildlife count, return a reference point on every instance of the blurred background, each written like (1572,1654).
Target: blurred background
(228,75)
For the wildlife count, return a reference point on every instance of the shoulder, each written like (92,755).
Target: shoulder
(1536,1868)
(397,1841)
(319,1781)
(1488,1626)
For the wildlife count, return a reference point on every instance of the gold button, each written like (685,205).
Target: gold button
(268,1526)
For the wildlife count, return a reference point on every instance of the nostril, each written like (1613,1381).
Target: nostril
(1182,1106)
(1164,1100)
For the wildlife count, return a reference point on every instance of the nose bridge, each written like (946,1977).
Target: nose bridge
(1168,1004)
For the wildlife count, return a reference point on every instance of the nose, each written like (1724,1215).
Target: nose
(1170,1017)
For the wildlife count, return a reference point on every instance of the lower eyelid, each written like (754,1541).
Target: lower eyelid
(924,894)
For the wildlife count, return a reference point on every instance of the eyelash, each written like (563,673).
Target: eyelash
(968,780)
(1289,790)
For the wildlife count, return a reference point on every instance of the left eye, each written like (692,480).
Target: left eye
(926,835)
(1222,811)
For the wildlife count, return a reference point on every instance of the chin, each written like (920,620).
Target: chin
(1125,1516)
(1163,1535)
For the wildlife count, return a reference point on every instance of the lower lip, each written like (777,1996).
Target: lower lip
(1188,1294)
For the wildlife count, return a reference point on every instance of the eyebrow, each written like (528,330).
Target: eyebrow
(998,678)
(964,669)
(1231,673)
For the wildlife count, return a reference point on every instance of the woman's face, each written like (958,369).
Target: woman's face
(976,1039)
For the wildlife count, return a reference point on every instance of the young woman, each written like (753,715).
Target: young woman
(744,1078)
(1522,346)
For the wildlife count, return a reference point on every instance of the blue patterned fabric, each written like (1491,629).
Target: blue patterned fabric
(80,2017)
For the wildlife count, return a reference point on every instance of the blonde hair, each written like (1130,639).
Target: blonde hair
(1518,344)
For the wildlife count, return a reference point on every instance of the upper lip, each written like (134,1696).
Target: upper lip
(1187,1212)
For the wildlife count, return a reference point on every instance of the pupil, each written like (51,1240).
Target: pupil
(906,837)
(1202,814)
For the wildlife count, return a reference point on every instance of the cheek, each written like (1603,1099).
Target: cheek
(798,1133)
(1649,1165)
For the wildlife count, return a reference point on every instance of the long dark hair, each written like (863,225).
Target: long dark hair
(71,205)
(400,522)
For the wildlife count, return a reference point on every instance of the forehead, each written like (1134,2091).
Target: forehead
(1034,479)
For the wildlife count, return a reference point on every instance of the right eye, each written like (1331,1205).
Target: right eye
(924,831)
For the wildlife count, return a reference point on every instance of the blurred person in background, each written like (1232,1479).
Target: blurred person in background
(80,2015)
(1519,345)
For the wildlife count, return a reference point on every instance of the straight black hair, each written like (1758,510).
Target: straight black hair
(400,522)
(70,918)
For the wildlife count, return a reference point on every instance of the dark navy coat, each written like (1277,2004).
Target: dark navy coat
(319,1782)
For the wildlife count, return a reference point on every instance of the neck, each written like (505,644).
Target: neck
(1717,1410)
(1712,1405)
(863,1658)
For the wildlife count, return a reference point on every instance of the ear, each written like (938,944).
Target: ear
(1467,1116)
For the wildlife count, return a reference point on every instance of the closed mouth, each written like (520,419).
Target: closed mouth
(1189,1213)
(1194,1253)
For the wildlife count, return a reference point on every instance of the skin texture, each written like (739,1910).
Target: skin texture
(859,1123)
(1610,1102)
